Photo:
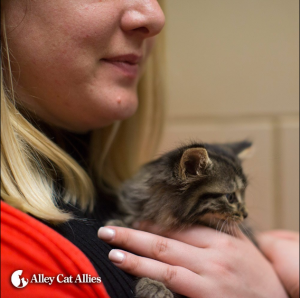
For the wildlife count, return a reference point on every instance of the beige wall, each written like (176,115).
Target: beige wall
(233,73)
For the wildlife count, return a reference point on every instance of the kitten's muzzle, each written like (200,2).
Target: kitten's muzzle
(245,214)
(241,215)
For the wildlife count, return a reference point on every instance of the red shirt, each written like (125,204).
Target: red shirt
(41,254)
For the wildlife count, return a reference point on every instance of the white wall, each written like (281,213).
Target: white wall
(233,73)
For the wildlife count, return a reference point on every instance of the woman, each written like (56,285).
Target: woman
(71,73)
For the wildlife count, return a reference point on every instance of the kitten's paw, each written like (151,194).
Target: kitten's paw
(116,223)
(149,288)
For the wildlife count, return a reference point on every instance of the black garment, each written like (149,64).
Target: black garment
(82,231)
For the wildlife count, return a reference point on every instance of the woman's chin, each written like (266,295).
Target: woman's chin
(122,111)
(124,106)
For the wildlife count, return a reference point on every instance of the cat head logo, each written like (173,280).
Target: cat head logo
(17,281)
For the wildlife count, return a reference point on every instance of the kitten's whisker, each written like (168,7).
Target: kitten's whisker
(223,225)
(244,231)
(241,230)
(248,231)
(214,220)
(217,230)
(231,229)
(218,225)
(220,231)
(236,228)
(234,225)
(227,227)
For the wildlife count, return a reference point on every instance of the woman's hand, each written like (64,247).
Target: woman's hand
(282,249)
(197,262)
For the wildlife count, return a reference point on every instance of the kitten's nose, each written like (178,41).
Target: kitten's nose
(245,214)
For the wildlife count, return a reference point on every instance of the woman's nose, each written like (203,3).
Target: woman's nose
(144,17)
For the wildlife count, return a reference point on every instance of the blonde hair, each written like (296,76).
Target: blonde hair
(30,161)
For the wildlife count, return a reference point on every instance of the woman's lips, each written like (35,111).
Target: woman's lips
(127,64)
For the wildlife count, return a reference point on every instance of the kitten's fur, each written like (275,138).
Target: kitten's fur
(194,184)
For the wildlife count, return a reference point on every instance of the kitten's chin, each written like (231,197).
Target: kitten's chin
(216,220)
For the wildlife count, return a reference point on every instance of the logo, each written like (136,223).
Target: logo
(20,282)
(17,281)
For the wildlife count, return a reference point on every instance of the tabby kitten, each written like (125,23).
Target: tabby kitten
(195,184)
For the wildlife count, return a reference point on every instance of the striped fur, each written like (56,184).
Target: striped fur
(194,184)
(181,187)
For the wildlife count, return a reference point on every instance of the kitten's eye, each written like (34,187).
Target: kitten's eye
(231,197)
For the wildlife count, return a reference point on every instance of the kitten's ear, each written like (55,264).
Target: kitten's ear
(194,161)
(243,150)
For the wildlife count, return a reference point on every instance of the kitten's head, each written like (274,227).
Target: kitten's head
(198,183)
(213,182)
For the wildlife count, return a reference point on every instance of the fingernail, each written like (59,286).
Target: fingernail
(116,256)
(106,233)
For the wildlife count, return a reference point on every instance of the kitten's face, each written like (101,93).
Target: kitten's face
(195,184)
(198,184)
(213,185)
